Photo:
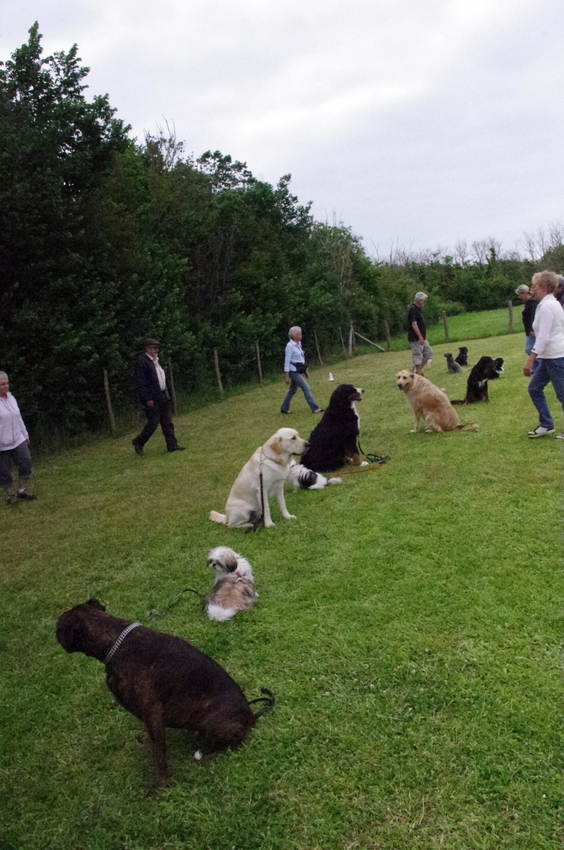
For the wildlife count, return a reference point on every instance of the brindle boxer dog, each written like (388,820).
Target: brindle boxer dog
(162,680)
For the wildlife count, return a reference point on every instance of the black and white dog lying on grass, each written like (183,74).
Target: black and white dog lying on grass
(306,479)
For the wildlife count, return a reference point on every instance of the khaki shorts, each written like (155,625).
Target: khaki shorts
(420,353)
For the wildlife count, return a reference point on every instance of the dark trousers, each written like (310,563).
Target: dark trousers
(158,414)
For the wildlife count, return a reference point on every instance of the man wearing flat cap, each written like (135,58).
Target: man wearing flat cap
(155,398)
(417,332)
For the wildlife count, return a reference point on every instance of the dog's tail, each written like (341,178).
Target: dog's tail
(459,401)
(468,427)
(218,517)
(268,701)
(216,612)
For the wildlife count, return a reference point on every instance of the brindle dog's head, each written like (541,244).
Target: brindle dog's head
(70,625)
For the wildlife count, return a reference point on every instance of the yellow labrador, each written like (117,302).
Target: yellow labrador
(272,461)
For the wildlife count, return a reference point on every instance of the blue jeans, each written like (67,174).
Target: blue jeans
(547,372)
(529,342)
(297,380)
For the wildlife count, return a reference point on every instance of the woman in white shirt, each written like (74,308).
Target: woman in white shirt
(14,446)
(548,351)
(295,372)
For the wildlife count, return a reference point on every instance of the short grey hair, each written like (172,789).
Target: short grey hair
(548,281)
(293,331)
(3,376)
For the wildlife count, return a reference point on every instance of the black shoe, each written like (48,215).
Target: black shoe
(27,497)
(176,449)
(137,447)
(287,412)
(317,410)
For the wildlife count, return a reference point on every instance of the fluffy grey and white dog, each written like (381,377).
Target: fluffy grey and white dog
(234,588)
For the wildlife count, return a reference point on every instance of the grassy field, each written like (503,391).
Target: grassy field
(467,326)
(409,623)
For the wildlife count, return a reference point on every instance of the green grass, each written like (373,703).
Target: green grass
(409,623)
(465,327)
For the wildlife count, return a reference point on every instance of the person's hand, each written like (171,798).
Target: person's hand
(286,379)
(150,404)
(528,367)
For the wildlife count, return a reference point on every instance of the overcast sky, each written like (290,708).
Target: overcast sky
(417,123)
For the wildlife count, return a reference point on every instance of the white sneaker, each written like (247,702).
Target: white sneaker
(560,436)
(540,431)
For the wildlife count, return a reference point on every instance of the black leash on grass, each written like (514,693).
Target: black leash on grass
(372,458)
(172,604)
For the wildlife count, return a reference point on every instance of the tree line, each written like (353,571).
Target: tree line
(105,240)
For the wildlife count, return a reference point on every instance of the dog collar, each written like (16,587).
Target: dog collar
(119,642)
(264,457)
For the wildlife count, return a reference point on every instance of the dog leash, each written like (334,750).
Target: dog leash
(119,642)
(258,521)
(373,458)
(360,471)
(172,604)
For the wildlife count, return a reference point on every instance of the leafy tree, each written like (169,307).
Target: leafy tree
(55,147)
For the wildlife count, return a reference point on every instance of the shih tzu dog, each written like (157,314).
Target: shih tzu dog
(234,588)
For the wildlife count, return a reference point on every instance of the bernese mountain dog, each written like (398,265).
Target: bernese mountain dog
(334,440)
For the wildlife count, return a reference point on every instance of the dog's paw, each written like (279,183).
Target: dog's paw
(198,755)
(268,524)
(364,463)
(289,516)
(334,481)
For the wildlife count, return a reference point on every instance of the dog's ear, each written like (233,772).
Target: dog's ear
(230,561)
(275,443)
(95,604)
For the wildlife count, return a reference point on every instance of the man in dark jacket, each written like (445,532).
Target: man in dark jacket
(155,398)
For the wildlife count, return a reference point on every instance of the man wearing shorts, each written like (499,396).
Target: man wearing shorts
(416,333)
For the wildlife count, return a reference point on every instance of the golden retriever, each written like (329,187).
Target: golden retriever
(247,503)
(429,404)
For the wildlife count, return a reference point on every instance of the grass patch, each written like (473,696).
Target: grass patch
(409,623)
(465,327)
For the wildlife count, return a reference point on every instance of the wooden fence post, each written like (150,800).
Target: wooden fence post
(109,402)
(387,332)
(172,389)
(510,321)
(445,326)
(258,362)
(217,372)
(342,340)
(318,351)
